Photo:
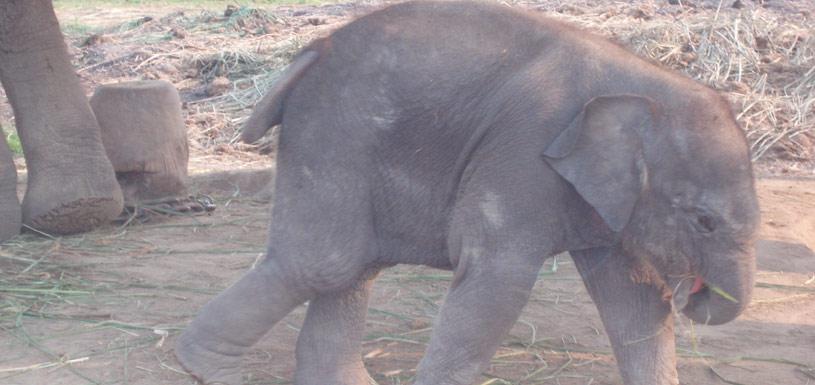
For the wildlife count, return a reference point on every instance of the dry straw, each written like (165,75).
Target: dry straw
(763,60)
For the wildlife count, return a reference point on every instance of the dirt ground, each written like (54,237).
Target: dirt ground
(105,307)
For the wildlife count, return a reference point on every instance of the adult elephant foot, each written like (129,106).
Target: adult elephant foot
(71,184)
(207,366)
(70,217)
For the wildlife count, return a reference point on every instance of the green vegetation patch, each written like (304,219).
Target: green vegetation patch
(75,28)
(13,141)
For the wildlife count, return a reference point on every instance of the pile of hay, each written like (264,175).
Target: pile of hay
(762,58)
(220,62)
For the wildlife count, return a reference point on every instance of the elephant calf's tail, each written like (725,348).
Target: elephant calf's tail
(269,111)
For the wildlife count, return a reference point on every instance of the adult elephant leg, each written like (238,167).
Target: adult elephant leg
(489,291)
(71,183)
(329,345)
(9,204)
(636,317)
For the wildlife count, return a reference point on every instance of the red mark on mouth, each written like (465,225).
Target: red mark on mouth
(697,285)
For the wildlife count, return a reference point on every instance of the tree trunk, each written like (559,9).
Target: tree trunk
(71,184)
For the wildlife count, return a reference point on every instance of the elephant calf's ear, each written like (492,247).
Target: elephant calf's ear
(600,154)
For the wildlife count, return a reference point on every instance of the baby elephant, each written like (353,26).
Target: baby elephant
(477,138)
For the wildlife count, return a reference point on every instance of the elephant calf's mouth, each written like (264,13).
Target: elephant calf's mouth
(684,289)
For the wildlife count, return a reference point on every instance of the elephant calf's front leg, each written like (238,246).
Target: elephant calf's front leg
(636,317)
(484,302)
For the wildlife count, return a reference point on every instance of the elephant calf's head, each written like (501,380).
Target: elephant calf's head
(677,187)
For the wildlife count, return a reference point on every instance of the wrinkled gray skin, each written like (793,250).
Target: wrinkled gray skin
(476,138)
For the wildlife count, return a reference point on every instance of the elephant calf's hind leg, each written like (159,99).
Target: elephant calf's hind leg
(329,346)
(212,345)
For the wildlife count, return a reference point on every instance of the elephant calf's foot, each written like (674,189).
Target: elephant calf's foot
(76,216)
(207,366)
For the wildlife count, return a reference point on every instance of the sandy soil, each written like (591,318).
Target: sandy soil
(105,307)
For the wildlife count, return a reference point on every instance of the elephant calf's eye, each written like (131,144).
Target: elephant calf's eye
(705,224)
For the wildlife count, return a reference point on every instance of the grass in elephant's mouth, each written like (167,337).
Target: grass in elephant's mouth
(719,291)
